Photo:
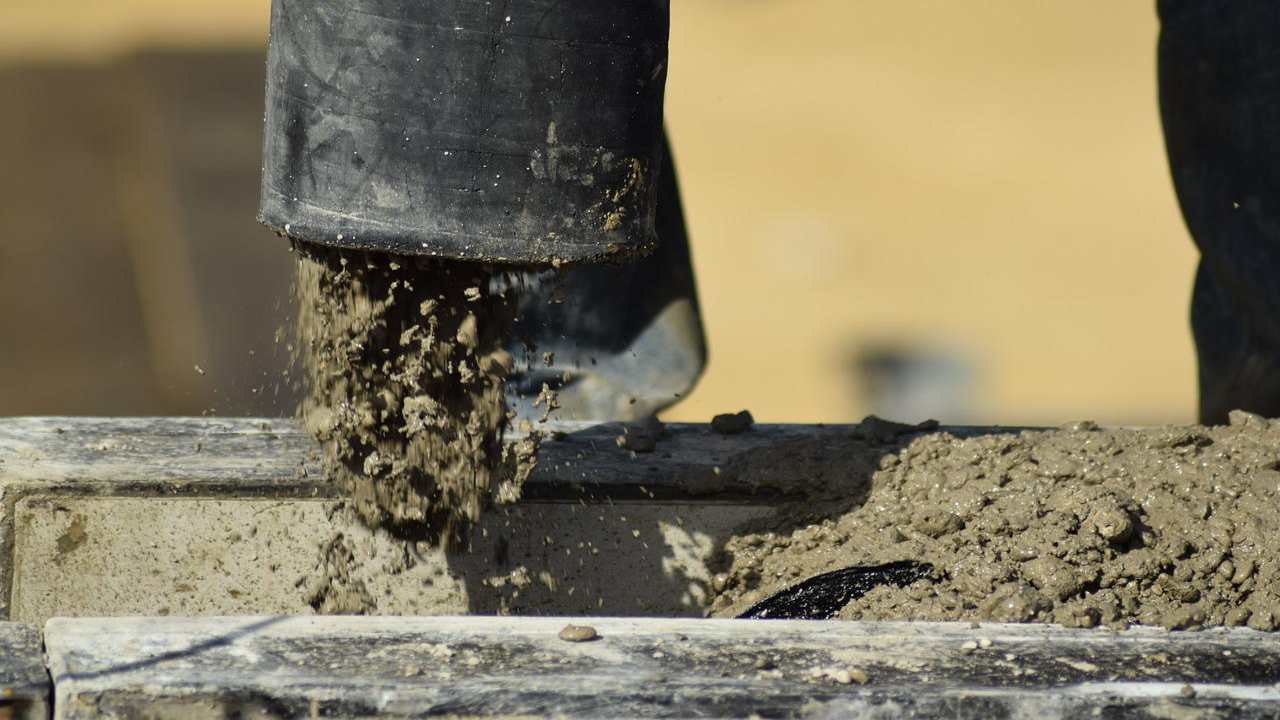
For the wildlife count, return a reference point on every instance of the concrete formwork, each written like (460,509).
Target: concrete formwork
(206,518)
(179,516)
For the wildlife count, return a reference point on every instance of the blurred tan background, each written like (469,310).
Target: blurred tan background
(909,207)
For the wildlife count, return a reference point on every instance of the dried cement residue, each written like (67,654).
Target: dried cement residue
(1178,527)
(405,365)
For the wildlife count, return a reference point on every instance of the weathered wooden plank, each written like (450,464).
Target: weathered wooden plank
(257,456)
(690,462)
(493,666)
(24,684)
(165,456)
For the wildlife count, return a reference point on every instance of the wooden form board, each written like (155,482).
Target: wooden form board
(193,456)
(518,667)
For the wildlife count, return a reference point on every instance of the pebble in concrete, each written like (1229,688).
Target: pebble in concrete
(578,633)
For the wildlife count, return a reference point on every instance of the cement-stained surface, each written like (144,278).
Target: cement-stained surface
(166,556)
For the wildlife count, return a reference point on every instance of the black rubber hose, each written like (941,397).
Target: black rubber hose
(523,131)
(822,596)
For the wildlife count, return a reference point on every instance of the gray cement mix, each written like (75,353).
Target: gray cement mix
(1176,526)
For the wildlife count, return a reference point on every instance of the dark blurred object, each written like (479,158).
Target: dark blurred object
(134,279)
(615,342)
(1220,102)
(913,383)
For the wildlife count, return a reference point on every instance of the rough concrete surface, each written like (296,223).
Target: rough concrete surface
(148,458)
(24,684)
(521,667)
(163,556)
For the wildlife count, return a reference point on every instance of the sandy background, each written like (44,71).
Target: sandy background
(975,190)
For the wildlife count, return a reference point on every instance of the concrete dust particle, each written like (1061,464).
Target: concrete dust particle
(517,578)
(548,400)
(1175,526)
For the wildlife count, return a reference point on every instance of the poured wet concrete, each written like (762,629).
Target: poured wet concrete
(1080,526)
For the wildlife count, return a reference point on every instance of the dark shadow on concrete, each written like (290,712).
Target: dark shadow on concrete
(193,650)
